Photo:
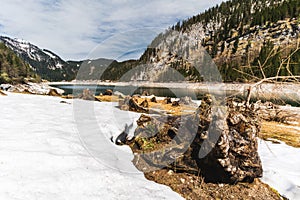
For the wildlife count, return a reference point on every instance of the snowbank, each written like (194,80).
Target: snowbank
(41,157)
(281,165)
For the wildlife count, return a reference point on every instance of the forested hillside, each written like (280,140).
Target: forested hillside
(45,63)
(244,38)
(12,68)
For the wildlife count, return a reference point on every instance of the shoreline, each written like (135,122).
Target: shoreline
(184,85)
(286,93)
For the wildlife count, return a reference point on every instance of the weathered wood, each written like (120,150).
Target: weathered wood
(219,141)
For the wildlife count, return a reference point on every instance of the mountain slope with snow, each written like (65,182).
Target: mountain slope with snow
(45,63)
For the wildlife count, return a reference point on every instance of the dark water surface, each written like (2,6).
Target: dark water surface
(195,94)
(131,90)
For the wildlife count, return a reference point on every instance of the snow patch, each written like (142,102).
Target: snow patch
(59,65)
(281,168)
(50,54)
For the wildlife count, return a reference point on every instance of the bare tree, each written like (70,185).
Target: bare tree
(277,79)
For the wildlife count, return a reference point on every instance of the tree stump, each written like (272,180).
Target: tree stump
(218,141)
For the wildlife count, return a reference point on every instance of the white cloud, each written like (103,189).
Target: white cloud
(72,28)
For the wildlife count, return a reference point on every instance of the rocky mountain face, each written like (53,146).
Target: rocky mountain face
(44,62)
(237,36)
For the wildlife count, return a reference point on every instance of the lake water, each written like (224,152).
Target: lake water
(195,94)
(131,90)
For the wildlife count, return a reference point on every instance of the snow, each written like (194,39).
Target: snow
(21,41)
(52,150)
(42,156)
(59,66)
(281,165)
(49,54)
(24,46)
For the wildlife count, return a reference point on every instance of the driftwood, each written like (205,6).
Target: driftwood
(271,112)
(218,141)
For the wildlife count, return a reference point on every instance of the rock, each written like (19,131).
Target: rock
(108,92)
(123,137)
(167,100)
(18,88)
(119,94)
(218,141)
(153,99)
(64,102)
(131,104)
(5,87)
(87,95)
(144,104)
(33,88)
(175,103)
(186,101)
(58,91)
(53,92)
(145,93)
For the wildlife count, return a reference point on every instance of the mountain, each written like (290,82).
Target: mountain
(44,62)
(105,69)
(51,67)
(246,40)
(241,37)
(13,69)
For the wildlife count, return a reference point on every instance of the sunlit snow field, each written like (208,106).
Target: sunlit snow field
(42,155)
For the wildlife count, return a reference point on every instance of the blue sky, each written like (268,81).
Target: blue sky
(77,29)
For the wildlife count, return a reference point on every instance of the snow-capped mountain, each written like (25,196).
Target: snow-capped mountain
(46,63)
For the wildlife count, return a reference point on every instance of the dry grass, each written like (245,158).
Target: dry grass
(168,108)
(2,93)
(101,98)
(107,98)
(290,134)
